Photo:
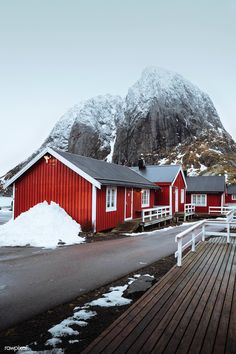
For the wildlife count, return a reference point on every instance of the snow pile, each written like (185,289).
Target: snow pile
(5,202)
(113,298)
(44,225)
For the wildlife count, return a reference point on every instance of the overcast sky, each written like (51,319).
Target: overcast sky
(55,53)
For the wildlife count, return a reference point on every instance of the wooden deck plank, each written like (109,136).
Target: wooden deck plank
(204,322)
(116,336)
(174,274)
(217,315)
(190,327)
(222,332)
(166,329)
(191,310)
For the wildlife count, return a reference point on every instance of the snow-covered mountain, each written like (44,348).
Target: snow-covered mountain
(163,116)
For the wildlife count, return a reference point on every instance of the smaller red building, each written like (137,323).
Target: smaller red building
(230,196)
(97,194)
(205,192)
(171,180)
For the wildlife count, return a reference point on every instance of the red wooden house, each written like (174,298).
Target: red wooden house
(171,180)
(97,194)
(205,192)
(230,196)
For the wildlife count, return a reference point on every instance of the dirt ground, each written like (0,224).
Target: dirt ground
(35,330)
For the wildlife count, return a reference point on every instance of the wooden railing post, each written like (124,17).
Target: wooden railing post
(228,232)
(193,242)
(203,232)
(179,259)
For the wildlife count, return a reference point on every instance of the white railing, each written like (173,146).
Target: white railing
(198,231)
(189,209)
(155,213)
(219,210)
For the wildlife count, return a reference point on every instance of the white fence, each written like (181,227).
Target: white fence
(155,213)
(198,232)
(219,210)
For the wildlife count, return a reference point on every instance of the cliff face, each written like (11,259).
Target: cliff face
(163,116)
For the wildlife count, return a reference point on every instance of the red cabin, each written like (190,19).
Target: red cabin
(230,196)
(171,180)
(97,194)
(205,192)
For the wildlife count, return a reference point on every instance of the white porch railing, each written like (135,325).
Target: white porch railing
(155,213)
(198,231)
(219,210)
(189,209)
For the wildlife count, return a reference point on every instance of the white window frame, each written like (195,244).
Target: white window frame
(145,198)
(110,191)
(182,196)
(199,199)
(233,196)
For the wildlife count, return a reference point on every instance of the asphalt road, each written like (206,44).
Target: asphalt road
(33,280)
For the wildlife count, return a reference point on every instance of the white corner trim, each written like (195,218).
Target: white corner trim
(94,207)
(170,199)
(13,204)
(62,160)
(182,172)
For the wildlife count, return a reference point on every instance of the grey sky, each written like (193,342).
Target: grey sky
(55,53)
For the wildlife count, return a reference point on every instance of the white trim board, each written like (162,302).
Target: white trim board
(182,172)
(67,163)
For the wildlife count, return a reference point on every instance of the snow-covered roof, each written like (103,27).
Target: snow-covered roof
(206,184)
(97,172)
(159,174)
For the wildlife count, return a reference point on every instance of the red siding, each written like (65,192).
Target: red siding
(212,200)
(163,195)
(53,181)
(179,183)
(108,220)
(229,200)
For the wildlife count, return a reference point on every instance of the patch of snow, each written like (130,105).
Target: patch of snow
(53,342)
(5,202)
(72,341)
(203,168)
(216,151)
(84,315)
(163,161)
(113,298)
(110,155)
(44,225)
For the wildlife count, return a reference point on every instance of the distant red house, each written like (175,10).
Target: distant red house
(205,192)
(230,196)
(171,180)
(97,194)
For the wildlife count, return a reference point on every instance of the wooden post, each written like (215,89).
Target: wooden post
(179,259)
(228,232)
(203,232)
(193,242)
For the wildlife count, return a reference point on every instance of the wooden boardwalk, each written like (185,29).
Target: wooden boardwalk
(192,309)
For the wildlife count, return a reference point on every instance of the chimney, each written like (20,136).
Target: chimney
(185,173)
(141,163)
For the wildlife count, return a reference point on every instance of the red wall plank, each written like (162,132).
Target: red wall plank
(212,200)
(53,181)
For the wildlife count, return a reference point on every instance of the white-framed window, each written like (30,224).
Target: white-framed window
(111,197)
(199,199)
(233,196)
(145,197)
(182,196)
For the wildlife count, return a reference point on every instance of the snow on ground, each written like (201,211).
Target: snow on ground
(44,225)
(113,298)
(5,201)
(147,233)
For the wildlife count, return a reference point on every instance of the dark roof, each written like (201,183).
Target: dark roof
(231,189)
(210,184)
(159,174)
(107,173)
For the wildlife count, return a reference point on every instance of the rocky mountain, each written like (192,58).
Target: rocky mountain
(163,116)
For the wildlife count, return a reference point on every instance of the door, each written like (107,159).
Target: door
(128,203)
(176,200)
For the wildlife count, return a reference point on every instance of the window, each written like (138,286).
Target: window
(233,196)
(145,197)
(111,193)
(199,199)
(182,196)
